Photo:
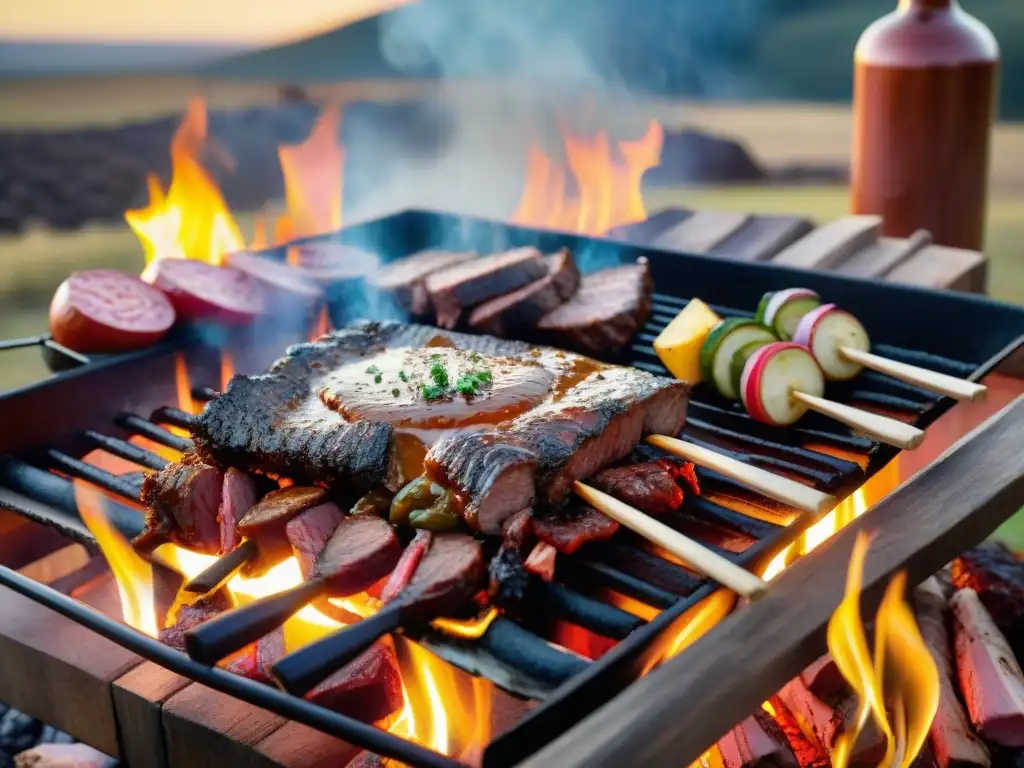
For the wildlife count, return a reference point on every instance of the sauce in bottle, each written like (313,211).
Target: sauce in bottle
(924,98)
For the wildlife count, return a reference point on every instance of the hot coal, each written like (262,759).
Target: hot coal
(650,487)
(404,280)
(369,688)
(569,529)
(997,575)
(309,532)
(361,551)
(464,286)
(509,579)
(278,507)
(183,503)
(606,312)
(238,494)
(185,616)
(524,307)
(255,660)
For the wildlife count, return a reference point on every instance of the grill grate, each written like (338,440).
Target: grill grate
(34,477)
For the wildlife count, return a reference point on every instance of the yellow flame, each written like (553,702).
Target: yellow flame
(608,189)
(313,179)
(901,678)
(695,623)
(191,220)
(132,574)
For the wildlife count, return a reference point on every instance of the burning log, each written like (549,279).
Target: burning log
(997,575)
(825,681)
(828,724)
(757,741)
(990,677)
(953,740)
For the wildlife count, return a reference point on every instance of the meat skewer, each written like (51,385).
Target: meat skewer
(441,573)
(361,550)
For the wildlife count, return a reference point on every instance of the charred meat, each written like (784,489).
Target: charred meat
(470,283)
(183,504)
(650,487)
(524,307)
(278,507)
(448,574)
(238,494)
(606,312)
(369,688)
(569,529)
(185,616)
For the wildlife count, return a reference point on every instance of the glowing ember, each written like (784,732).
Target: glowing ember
(899,687)
(608,188)
(191,220)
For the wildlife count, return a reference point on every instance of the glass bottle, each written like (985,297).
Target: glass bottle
(924,101)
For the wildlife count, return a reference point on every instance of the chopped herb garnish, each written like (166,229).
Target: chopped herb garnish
(439,375)
(402,376)
(396,392)
(467,385)
(474,357)
(484,375)
(373,369)
(432,391)
(378,378)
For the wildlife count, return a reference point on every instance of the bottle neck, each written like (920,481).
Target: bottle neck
(928,5)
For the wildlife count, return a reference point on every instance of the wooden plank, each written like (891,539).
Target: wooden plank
(204,728)
(701,232)
(646,231)
(295,745)
(138,699)
(696,697)
(938,266)
(831,243)
(763,237)
(60,672)
(883,256)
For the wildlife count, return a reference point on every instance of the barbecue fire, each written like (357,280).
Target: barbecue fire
(899,686)
(595,189)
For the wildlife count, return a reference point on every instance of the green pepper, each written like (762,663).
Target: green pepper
(436,517)
(376,502)
(417,495)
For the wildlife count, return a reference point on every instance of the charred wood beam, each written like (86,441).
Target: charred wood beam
(825,681)
(990,677)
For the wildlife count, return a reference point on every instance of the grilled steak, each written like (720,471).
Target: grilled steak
(465,285)
(568,530)
(183,502)
(606,312)
(368,688)
(524,307)
(278,507)
(448,574)
(361,551)
(363,405)
(238,494)
(404,281)
(308,534)
(185,616)
(650,487)
(254,661)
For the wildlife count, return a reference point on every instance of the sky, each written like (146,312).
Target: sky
(241,22)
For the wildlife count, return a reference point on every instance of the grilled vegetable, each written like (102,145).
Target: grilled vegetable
(771,376)
(727,338)
(201,291)
(423,504)
(102,310)
(739,361)
(678,346)
(781,310)
(825,332)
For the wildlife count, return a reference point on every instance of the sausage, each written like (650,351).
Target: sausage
(202,291)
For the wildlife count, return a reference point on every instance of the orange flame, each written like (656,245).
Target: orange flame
(227,369)
(191,220)
(313,178)
(902,678)
(132,574)
(609,191)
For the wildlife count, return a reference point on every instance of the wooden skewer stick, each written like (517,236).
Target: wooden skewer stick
(694,554)
(941,383)
(882,428)
(773,486)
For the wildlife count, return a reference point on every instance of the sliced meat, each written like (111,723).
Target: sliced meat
(541,561)
(368,688)
(278,507)
(404,280)
(238,494)
(538,420)
(465,285)
(539,455)
(255,660)
(185,616)
(361,551)
(449,573)
(407,564)
(606,312)
(997,575)
(650,486)
(182,504)
(524,307)
(308,534)
(568,530)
